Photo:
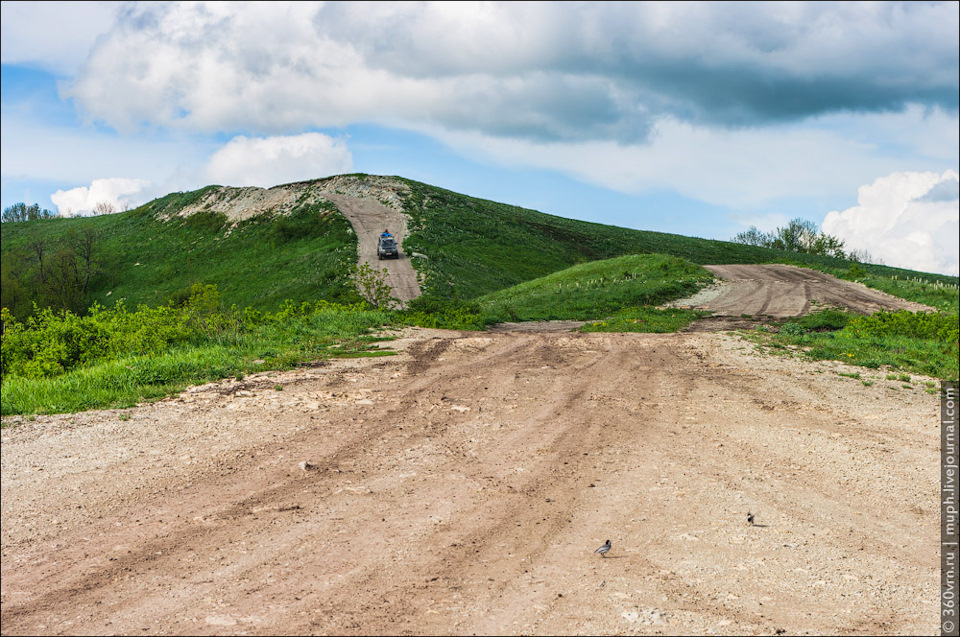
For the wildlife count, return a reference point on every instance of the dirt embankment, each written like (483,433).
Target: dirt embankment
(462,486)
(783,291)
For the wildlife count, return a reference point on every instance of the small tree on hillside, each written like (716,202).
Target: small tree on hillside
(104,208)
(799,235)
(373,287)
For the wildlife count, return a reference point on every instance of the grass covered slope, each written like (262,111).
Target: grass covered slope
(475,246)
(596,289)
(139,256)
(463,247)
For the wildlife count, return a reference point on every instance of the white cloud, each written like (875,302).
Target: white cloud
(54,36)
(744,169)
(270,161)
(119,193)
(547,71)
(909,220)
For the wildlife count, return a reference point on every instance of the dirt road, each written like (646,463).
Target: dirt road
(369,218)
(462,486)
(783,291)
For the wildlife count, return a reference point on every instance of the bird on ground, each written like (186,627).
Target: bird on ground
(749,518)
(603,550)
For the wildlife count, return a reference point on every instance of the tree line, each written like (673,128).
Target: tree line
(801,235)
(44,272)
(23,212)
(49,273)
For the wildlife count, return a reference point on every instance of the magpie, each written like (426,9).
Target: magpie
(603,550)
(749,518)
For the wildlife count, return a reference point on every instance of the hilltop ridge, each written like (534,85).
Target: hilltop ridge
(243,203)
(264,246)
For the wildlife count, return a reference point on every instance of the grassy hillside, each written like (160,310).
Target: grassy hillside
(260,262)
(596,289)
(475,247)
(470,247)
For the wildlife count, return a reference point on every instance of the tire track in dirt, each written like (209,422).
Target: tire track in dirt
(462,486)
(784,291)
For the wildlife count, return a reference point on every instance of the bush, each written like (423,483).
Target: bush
(206,221)
(926,325)
(793,329)
(439,313)
(825,321)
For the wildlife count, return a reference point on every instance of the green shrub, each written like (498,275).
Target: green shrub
(442,313)
(825,321)
(926,325)
(793,329)
(206,221)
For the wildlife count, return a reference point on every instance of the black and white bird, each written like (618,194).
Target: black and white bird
(749,518)
(603,550)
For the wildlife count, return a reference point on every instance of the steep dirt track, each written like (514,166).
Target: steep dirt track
(783,291)
(462,486)
(369,218)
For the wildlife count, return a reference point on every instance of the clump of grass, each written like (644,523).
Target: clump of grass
(441,313)
(645,319)
(919,343)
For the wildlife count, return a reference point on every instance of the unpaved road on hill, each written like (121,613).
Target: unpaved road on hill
(369,218)
(784,291)
(461,487)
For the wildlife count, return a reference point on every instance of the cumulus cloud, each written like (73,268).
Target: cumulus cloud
(909,220)
(117,193)
(53,36)
(541,71)
(270,161)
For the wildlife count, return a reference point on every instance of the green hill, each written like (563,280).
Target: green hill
(262,247)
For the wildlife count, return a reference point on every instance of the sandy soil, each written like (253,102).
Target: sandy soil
(783,291)
(461,487)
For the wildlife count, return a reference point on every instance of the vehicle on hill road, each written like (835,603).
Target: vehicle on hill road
(387,248)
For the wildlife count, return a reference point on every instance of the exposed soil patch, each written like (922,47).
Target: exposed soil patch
(462,486)
(784,291)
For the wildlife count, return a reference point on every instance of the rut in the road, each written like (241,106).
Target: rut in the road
(463,488)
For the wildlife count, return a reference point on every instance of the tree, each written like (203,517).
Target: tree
(862,256)
(104,208)
(373,287)
(799,235)
(23,212)
(84,245)
(50,273)
(753,237)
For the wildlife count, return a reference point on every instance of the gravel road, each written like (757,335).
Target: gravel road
(462,486)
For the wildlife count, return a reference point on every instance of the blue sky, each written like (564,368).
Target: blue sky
(698,119)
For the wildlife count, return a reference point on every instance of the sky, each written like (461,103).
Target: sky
(701,119)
